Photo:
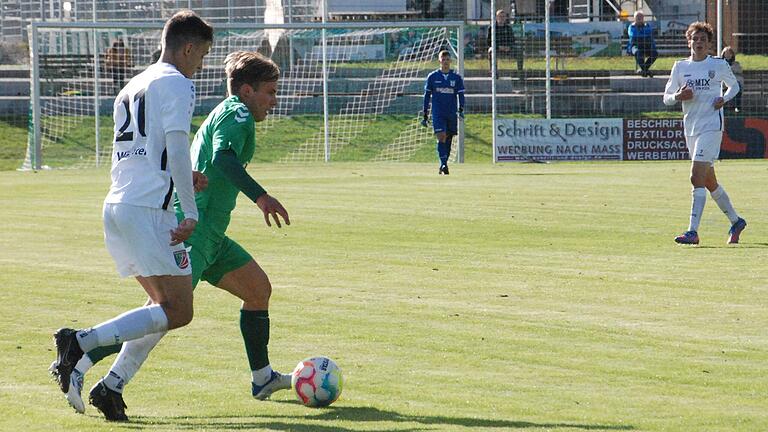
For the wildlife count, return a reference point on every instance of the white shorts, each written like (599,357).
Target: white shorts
(138,239)
(704,147)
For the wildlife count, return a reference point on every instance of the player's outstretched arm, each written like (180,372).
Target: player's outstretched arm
(226,162)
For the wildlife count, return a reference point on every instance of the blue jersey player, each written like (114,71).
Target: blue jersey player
(443,86)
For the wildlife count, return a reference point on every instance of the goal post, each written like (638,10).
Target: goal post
(370,76)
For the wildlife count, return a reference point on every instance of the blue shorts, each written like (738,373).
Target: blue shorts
(445,123)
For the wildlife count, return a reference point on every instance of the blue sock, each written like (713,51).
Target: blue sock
(442,153)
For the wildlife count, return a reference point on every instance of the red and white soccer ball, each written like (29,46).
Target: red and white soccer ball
(317,381)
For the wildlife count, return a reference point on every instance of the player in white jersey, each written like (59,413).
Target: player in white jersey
(151,157)
(698,82)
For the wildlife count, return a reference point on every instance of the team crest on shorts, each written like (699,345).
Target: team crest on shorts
(182,259)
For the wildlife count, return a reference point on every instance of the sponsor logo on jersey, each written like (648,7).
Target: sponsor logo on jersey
(446,90)
(182,259)
(141,151)
(241,115)
(698,84)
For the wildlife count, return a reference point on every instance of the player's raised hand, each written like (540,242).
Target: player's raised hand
(718,103)
(199,181)
(182,232)
(271,206)
(685,93)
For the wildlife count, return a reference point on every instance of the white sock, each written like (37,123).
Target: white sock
(697,207)
(724,202)
(262,376)
(84,364)
(131,357)
(128,326)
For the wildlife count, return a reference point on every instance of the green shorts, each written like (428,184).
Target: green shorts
(212,260)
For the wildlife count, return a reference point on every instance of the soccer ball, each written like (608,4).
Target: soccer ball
(317,381)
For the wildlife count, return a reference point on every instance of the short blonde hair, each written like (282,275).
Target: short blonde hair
(248,67)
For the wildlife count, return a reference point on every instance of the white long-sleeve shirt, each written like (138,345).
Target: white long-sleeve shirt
(705,78)
(154,105)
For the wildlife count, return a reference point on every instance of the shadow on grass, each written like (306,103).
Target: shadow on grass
(519,174)
(727,246)
(354,414)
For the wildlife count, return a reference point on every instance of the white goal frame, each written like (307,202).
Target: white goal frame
(35,149)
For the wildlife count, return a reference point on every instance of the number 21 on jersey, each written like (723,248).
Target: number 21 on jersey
(130,135)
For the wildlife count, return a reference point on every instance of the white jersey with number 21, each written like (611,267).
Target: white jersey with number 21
(155,102)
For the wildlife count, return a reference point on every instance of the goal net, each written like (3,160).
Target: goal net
(348,91)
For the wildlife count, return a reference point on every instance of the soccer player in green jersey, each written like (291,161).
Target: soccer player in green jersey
(222,147)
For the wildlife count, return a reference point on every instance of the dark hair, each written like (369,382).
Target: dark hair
(249,67)
(185,27)
(700,26)
(444,52)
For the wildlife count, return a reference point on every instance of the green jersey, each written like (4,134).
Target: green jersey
(230,126)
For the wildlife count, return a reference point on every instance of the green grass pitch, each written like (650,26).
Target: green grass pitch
(510,297)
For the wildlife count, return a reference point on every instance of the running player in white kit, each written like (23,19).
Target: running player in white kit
(151,157)
(698,82)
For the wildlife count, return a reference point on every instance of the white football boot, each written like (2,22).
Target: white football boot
(74,394)
(276,382)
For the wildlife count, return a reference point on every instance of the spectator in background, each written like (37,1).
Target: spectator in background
(729,55)
(642,45)
(469,45)
(118,63)
(505,42)
(395,45)
(409,42)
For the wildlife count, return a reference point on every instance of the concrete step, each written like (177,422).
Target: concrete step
(14,87)
(14,106)
(14,71)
